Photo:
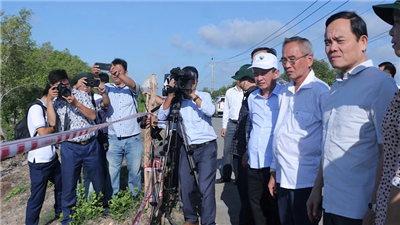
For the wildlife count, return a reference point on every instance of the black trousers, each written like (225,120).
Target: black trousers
(263,205)
(245,215)
(333,219)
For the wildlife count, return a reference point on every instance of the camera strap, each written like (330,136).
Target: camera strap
(66,120)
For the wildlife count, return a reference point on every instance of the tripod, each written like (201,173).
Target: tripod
(169,156)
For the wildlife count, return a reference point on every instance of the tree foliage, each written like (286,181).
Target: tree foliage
(220,91)
(25,67)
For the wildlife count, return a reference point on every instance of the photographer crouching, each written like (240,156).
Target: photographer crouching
(75,110)
(196,110)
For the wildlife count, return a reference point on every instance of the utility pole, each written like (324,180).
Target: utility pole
(212,75)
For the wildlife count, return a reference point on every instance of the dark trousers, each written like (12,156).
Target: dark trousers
(292,206)
(206,162)
(263,206)
(227,157)
(245,215)
(40,173)
(73,157)
(333,219)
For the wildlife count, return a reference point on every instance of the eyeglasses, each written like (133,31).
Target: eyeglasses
(292,60)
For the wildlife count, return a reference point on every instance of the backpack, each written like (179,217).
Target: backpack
(21,129)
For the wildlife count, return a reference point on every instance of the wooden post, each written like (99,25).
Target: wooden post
(147,136)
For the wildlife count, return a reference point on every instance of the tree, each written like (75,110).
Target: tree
(25,67)
(16,44)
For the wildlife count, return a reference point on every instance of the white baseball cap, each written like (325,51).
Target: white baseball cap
(264,61)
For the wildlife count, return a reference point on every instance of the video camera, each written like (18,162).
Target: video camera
(63,90)
(184,79)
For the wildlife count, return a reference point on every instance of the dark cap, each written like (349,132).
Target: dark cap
(243,72)
(81,75)
(385,11)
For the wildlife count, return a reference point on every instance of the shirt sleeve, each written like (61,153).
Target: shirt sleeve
(35,119)
(163,114)
(225,115)
(384,96)
(207,106)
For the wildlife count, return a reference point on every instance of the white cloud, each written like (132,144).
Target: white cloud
(190,47)
(240,33)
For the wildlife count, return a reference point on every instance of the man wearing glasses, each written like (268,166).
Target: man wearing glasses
(263,111)
(298,133)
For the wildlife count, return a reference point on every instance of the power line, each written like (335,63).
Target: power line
(252,47)
(316,21)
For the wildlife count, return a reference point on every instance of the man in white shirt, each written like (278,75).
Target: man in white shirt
(43,162)
(352,126)
(298,133)
(233,102)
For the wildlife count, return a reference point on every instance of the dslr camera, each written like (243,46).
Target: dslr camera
(63,90)
(184,79)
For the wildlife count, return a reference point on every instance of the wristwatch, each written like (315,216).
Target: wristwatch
(372,206)
(197,97)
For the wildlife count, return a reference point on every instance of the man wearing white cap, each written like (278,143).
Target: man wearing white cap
(263,113)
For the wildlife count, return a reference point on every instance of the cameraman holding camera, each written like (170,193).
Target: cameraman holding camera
(196,112)
(75,110)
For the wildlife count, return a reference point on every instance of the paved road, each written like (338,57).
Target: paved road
(226,194)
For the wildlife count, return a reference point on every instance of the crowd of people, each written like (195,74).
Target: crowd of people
(299,150)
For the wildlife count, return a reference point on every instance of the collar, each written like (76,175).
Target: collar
(114,85)
(306,83)
(356,70)
(42,102)
(275,92)
(235,87)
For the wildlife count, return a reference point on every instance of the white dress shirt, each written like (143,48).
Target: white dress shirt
(233,103)
(352,120)
(297,138)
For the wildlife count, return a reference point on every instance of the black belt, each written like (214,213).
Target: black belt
(233,121)
(122,138)
(85,142)
(194,146)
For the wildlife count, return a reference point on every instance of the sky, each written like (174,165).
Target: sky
(156,36)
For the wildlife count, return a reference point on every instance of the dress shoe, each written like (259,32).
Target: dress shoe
(222,180)
(189,223)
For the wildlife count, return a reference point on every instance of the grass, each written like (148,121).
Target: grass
(17,191)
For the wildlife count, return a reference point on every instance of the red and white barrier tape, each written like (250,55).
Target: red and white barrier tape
(12,148)
(146,197)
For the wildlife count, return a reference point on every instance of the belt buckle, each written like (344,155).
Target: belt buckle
(84,142)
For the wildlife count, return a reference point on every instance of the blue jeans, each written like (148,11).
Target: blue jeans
(132,149)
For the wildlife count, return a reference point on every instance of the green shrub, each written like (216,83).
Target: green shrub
(87,209)
(122,203)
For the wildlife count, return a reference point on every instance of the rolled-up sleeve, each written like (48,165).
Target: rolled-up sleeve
(207,107)
(163,114)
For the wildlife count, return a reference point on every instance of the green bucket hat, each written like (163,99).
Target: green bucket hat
(243,72)
(385,11)
(81,75)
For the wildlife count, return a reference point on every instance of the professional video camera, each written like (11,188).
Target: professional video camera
(63,90)
(184,80)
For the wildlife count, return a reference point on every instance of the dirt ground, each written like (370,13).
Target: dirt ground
(15,173)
